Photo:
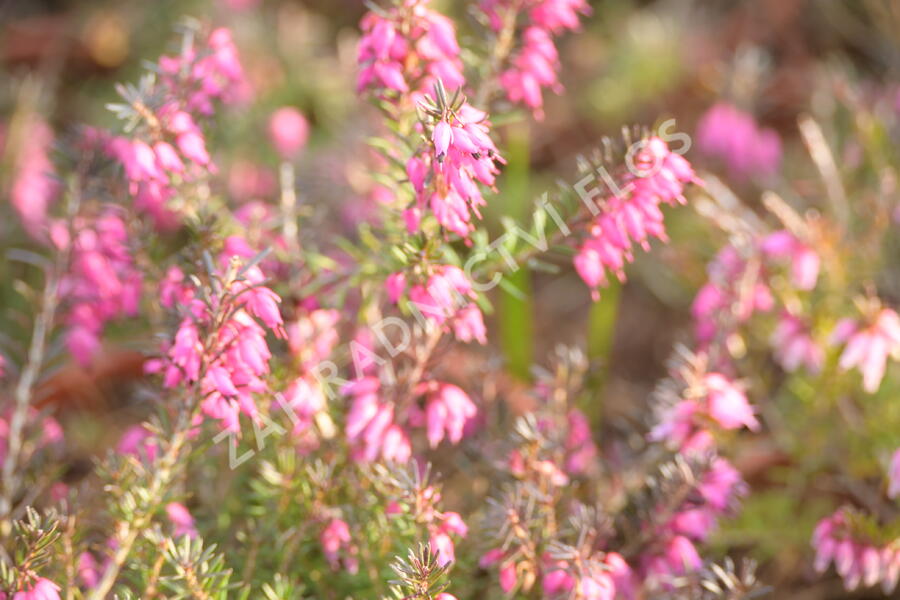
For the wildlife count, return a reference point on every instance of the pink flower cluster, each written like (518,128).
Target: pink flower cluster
(869,345)
(602,576)
(51,433)
(202,77)
(739,286)
(445,298)
(371,426)
(535,65)
(311,338)
(704,400)
(804,261)
(337,546)
(659,177)
(580,447)
(378,427)
(794,346)
(857,561)
(288,131)
(446,175)
(175,149)
(139,442)
(181,519)
(577,445)
(673,551)
(231,360)
(102,282)
(567,450)
(33,186)
(408,47)
(39,589)
(736,289)
(713,400)
(730,134)
(422,504)
(447,411)
(599,576)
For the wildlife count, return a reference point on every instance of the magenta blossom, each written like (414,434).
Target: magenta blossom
(407,48)
(181,519)
(635,217)
(34,188)
(288,131)
(868,346)
(794,347)
(370,424)
(534,66)
(856,560)
(727,404)
(138,441)
(446,298)
(102,284)
(727,133)
(40,589)
(804,260)
(230,362)
(447,177)
(338,547)
(447,410)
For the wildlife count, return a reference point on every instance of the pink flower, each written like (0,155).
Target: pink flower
(233,359)
(508,577)
(288,131)
(794,347)
(597,585)
(33,186)
(313,335)
(468,325)
(721,485)
(684,422)
(727,403)
(371,426)
(556,579)
(868,347)
(395,284)
(441,137)
(89,571)
(635,216)
(580,446)
(535,65)
(447,410)
(181,519)
(337,546)
(137,441)
(40,589)
(102,283)
(682,556)
(408,45)
(734,292)
(804,260)
(447,298)
(734,137)
(448,174)
(856,560)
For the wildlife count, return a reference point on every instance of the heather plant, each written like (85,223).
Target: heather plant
(327,406)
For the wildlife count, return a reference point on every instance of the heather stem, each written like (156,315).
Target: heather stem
(289,207)
(42,326)
(127,531)
(501,51)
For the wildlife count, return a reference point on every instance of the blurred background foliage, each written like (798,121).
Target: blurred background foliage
(636,62)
